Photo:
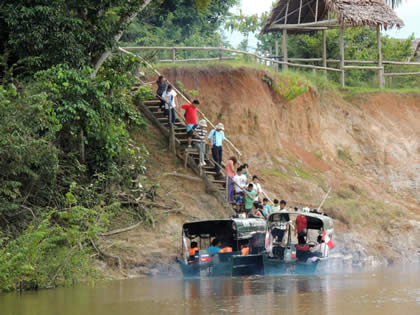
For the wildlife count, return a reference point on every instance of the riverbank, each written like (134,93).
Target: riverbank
(364,146)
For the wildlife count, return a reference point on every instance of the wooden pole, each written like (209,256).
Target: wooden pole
(271,56)
(285,67)
(173,55)
(277,54)
(300,11)
(172,147)
(324,50)
(316,11)
(343,83)
(287,12)
(380,64)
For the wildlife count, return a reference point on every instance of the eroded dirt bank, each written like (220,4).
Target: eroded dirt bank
(366,148)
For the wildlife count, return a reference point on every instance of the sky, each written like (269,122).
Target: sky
(409,12)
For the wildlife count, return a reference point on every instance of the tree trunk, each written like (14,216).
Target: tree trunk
(117,37)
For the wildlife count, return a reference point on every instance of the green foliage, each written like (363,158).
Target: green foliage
(144,93)
(54,249)
(194,93)
(180,86)
(28,158)
(47,220)
(180,23)
(39,34)
(345,156)
(100,109)
(291,86)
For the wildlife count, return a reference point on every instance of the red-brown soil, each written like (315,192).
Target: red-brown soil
(371,141)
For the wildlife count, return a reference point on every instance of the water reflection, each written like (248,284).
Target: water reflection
(387,292)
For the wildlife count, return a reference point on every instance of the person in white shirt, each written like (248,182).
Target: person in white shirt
(170,98)
(321,247)
(239,181)
(257,187)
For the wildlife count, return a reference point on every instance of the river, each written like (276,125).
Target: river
(388,291)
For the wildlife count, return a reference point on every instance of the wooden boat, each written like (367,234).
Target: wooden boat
(233,233)
(281,256)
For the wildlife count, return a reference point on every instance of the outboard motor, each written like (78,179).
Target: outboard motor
(290,253)
(205,260)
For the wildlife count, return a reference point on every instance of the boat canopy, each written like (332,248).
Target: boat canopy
(236,228)
(316,221)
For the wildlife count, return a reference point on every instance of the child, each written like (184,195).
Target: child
(266,208)
(250,194)
(200,139)
(276,207)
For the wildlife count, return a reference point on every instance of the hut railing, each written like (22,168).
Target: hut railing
(275,61)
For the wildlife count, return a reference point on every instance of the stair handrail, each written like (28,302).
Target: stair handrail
(201,113)
(182,95)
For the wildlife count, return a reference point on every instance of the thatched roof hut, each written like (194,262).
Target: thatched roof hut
(347,13)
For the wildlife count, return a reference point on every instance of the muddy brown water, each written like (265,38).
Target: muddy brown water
(390,291)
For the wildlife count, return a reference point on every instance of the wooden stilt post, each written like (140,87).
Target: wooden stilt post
(271,57)
(343,83)
(285,66)
(277,54)
(380,64)
(324,50)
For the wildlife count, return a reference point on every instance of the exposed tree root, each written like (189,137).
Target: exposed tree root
(118,231)
(104,255)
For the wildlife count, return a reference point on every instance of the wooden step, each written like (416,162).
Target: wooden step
(181,136)
(151,102)
(218,181)
(177,126)
(159,115)
(153,107)
(210,173)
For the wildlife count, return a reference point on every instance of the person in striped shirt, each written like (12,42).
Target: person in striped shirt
(199,139)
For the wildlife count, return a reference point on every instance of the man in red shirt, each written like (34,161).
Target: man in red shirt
(301,225)
(191,119)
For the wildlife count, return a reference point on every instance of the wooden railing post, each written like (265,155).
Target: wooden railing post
(324,50)
(173,55)
(277,54)
(285,66)
(380,64)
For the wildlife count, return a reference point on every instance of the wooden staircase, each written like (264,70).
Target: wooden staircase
(215,185)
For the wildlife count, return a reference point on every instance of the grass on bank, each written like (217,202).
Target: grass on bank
(317,81)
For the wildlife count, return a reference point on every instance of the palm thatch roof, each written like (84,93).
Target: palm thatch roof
(348,13)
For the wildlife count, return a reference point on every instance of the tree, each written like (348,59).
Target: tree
(179,22)
(38,34)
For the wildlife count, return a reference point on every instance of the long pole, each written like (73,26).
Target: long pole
(323,200)
(324,50)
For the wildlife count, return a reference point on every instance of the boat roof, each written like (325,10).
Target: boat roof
(315,220)
(245,228)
